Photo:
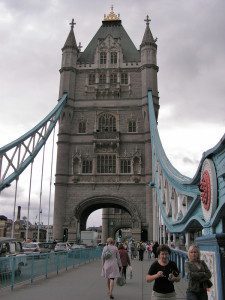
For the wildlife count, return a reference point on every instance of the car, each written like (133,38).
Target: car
(62,247)
(31,248)
(9,248)
(78,246)
(46,247)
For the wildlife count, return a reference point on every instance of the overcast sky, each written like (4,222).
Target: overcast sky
(191,60)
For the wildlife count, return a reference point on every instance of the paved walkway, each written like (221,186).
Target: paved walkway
(85,283)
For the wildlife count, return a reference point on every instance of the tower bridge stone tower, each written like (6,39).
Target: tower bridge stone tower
(104,147)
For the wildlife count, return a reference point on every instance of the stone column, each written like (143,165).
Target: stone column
(164,234)
(169,240)
(174,239)
(188,240)
(105,224)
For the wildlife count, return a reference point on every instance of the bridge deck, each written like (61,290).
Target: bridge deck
(85,283)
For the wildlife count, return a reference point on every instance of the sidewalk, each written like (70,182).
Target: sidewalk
(85,283)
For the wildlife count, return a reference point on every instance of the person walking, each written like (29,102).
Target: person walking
(111,265)
(125,260)
(149,250)
(141,250)
(198,275)
(164,273)
(154,249)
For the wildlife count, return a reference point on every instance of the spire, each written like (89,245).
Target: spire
(147,38)
(71,41)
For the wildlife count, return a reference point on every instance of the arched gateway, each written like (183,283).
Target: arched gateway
(104,146)
(112,221)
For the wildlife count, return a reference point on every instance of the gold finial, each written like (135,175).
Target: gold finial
(147,20)
(72,24)
(111,16)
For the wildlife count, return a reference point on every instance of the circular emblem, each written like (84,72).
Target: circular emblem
(205,189)
(208,189)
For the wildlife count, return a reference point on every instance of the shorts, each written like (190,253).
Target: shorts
(160,296)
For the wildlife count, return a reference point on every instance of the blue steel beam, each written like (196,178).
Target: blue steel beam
(182,184)
(41,133)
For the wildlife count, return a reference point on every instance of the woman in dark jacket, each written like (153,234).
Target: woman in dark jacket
(198,275)
(125,260)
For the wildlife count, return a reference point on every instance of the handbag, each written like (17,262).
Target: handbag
(120,281)
(107,254)
(130,272)
(207,284)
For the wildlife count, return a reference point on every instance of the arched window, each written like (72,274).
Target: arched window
(113,78)
(125,166)
(87,166)
(102,58)
(132,126)
(113,58)
(124,78)
(91,78)
(102,78)
(136,165)
(82,127)
(75,166)
(106,164)
(107,123)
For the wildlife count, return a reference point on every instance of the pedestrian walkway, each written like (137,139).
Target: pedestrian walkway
(85,283)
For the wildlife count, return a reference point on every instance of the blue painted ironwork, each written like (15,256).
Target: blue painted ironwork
(179,183)
(17,155)
(184,187)
(36,266)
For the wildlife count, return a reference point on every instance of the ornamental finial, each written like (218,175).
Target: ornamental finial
(147,20)
(111,16)
(72,24)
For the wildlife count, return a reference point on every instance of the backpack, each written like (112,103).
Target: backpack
(107,254)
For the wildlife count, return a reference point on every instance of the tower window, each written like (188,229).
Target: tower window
(125,166)
(113,78)
(102,58)
(124,78)
(132,127)
(102,78)
(106,164)
(82,127)
(87,166)
(106,123)
(113,58)
(91,79)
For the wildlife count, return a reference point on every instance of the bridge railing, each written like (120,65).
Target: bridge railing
(27,268)
(179,257)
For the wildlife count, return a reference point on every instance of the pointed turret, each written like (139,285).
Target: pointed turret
(148,49)
(70,53)
(71,41)
(147,38)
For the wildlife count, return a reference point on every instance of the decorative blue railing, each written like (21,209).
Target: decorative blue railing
(179,257)
(27,268)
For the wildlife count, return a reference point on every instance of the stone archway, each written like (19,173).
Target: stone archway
(87,206)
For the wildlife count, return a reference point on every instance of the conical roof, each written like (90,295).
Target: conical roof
(111,25)
(147,38)
(71,41)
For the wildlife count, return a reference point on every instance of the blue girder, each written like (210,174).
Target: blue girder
(182,184)
(27,146)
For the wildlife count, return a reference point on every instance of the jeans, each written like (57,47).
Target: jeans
(197,296)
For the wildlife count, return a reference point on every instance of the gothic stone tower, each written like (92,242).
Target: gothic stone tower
(104,147)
